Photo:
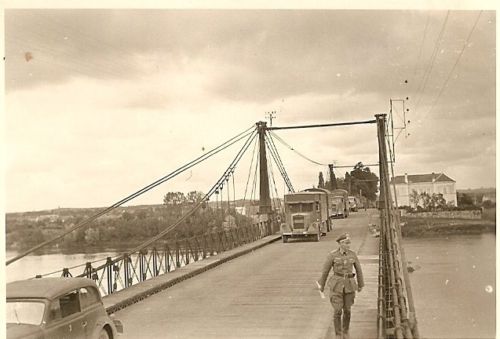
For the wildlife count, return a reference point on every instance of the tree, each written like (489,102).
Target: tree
(195,197)
(127,216)
(437,201)
(426,200)
(464,199)
(414,198)
(91,236)
(362,179)
(321,182)
(174,198)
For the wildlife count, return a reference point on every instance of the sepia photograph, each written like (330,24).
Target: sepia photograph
(260,170)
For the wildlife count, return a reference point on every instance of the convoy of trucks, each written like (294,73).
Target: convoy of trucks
(309,213)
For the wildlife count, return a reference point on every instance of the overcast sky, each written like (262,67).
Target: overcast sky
(99,103)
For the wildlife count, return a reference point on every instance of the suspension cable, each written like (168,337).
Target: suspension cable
(254,183)
(279,163)
(280,166)
(212,190)
(294,150)
(250,169)
(275,187)
(139,192)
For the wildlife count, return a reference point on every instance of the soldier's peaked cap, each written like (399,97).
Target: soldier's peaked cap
(343,236)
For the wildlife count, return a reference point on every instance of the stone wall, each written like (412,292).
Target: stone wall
(472,214)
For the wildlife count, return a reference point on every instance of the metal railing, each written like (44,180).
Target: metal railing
(163,257)
(396,312)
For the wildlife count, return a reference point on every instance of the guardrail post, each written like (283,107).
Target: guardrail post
(155,262)
(167,258)
(126,270)
(109,274)
(142,267)
(177,255)
(88,270)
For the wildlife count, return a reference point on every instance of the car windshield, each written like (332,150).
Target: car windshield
(24,312)
(337,200)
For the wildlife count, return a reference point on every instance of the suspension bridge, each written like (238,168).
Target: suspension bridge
(243,283)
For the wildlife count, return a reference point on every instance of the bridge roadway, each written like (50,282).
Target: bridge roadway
(268,293)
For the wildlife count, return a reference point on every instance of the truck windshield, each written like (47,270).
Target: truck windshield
(300,207)
(337,200)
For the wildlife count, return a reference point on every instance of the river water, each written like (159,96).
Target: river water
(31,265)
(453,283)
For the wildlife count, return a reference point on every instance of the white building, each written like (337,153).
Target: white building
(429,183)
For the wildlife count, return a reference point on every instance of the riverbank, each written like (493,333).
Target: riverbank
(421,227)
(117,247)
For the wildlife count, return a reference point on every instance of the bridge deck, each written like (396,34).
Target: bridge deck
(267,293)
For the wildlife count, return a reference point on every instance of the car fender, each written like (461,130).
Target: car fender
(100,324)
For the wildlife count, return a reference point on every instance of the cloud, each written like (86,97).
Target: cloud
(119,97)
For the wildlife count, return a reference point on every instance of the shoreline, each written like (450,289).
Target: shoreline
(422,227)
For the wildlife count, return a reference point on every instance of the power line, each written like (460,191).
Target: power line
(420,54)
(432,62)
(456,63)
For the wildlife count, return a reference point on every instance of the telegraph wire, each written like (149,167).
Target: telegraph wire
(456,63)
(428,72)
(420,53)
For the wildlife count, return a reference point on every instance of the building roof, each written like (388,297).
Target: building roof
(421,178)
(48,288)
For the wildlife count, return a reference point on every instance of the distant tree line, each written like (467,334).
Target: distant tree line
(127,229)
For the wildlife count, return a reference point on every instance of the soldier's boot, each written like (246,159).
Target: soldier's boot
(346,319)
(337,314)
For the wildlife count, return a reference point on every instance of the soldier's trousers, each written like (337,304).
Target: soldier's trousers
(341,303)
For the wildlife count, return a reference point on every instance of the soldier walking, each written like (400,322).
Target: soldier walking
(343,284)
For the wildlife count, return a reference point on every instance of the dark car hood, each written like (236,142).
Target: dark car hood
(23,331)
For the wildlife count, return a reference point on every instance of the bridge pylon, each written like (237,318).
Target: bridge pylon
(265,199)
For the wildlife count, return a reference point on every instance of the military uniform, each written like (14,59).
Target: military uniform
(343,284)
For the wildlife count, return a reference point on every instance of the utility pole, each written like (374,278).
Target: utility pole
(271,115)
(265,199)
(401,125)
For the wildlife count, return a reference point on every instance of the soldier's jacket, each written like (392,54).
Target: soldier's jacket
(342,264)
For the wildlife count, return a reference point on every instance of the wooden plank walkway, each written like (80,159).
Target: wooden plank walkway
(267,293)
